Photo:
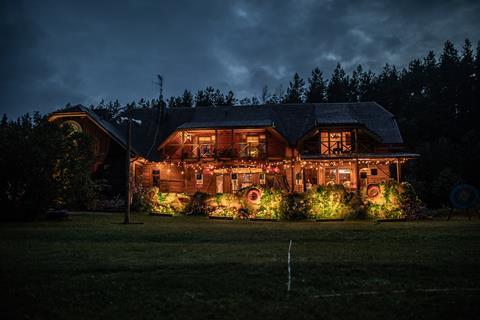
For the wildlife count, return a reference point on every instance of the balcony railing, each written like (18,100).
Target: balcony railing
(334,149)
(207,150)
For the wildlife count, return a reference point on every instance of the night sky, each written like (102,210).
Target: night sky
(55,52)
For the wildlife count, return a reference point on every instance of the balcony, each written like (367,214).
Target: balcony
(239,150)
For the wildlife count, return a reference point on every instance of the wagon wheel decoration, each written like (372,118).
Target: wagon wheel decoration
(254,195)
(373,191)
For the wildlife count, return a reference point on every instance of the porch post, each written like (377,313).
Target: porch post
(357,174)
(398,170)
(184,177)
(215,152)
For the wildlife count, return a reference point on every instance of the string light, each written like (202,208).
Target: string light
(268,166)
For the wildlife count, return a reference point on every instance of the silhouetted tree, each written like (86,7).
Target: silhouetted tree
(295,90)
(317,88)
(337,90)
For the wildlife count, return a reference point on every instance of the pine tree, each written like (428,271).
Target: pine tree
(230,99)
(265,95)
(204,98)
(174,102)
(366,86)
(389,88)
(337,86)
(450,77)
(317,87)
(187,99)
(295,90)
(467,83)
(245,101)
(353,93)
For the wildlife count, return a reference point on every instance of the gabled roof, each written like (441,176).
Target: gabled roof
(292,121)
(113,130)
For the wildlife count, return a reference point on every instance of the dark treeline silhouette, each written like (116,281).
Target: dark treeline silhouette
(435,100)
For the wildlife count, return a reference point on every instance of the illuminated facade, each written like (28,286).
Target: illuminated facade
(223,149)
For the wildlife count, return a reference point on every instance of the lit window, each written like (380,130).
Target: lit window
(252,139)
(156,178)
(199,178)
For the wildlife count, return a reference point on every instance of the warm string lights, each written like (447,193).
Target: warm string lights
(267,166)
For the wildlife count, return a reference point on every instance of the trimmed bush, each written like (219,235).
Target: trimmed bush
(271,205)
(393,201)
(328,202)
(156,202)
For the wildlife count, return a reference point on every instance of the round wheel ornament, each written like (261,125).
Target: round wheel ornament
(254,195)
(373,191)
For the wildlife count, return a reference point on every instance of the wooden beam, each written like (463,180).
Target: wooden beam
(215,151)
(357,174)
(398,170)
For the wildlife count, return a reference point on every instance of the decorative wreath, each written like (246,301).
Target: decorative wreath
(254,195)
(373,191)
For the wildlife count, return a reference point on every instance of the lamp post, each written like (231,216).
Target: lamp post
(127,166)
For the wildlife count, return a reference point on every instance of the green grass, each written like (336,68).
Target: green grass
(187,267)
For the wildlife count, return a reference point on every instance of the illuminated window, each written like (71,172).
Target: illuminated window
(252,140)
(156,178)
(344,177)
(262,178)
(335,143)
(299,178)
(253,146)
(206,145)
(199,178)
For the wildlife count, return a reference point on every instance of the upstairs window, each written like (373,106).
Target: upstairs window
(206,146)
(336,142)
(253,146)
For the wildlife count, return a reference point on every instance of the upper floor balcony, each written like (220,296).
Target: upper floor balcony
(223,145)
(331,143)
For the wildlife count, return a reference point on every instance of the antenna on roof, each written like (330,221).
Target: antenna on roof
(161,113)
(160,84)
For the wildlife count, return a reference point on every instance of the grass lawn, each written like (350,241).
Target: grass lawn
(188,267)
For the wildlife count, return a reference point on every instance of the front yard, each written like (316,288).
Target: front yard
(187,267)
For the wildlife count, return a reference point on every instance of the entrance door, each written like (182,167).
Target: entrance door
(330,176)
(219,182)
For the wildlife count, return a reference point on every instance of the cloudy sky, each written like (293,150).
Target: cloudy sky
(55,52)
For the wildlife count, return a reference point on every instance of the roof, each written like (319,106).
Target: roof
(292,121)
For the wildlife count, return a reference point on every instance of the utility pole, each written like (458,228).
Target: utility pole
(127,166)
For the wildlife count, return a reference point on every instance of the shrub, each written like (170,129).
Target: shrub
(156,202)
(295,207)
(198,205)
(394,201)
(328,202)
(271,205)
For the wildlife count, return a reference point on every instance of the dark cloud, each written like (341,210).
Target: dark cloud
(54,52)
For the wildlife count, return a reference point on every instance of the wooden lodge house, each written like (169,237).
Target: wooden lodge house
(222,149)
